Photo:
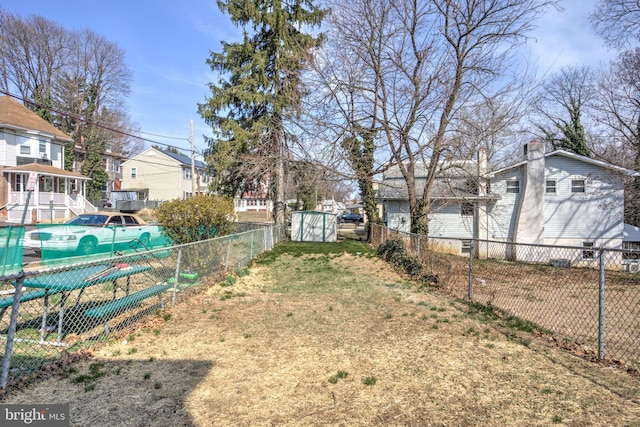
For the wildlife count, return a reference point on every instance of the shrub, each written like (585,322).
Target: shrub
(197,218)
(394,252)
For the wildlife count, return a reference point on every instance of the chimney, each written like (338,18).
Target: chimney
(530,222)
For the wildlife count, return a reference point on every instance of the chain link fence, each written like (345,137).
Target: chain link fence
(585,296)
(47,313)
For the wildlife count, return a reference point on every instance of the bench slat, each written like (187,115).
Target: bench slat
(120,303)
(26,296)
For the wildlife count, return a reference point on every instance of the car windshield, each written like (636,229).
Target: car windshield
(88,219)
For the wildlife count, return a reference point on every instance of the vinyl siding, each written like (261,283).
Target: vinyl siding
(447,221)
(396,212)
(502,214)
(161,174)
(596,213)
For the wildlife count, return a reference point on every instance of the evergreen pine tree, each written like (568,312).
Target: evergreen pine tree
(258,90)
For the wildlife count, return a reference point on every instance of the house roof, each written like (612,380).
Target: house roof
(456,168)
(46,170)
(16,116)
(631,233)
(185,160)
(443,189)
(450,183)
(182,159)
(589,160)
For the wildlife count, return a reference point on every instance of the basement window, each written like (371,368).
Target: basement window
(633,248)
(588,252)
(465,246)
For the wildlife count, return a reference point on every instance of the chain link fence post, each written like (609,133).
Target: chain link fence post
(176,278)
(226,261)
(601,303)
(251,250)
(470,285)
(6,360)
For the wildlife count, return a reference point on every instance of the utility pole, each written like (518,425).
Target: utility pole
(193,163)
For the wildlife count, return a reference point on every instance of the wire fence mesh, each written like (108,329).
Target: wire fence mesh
(586,296)
(45,313)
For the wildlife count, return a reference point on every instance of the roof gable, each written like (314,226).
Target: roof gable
(573,156)
(17,116)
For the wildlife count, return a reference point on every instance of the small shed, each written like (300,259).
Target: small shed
(312,226)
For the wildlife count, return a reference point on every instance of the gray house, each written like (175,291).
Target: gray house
(556,198)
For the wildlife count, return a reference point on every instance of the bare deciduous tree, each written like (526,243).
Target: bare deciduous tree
(561,104)
(618,107)
(420,63)
(33,52)
(77,80)
(617,21)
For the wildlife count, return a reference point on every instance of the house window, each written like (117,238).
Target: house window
(631,246)
(48,184)
(187,173)
(550,187)
(466,209)
(25,149)
(134,173)
(513,186)
(21,182)
(465,246)
(116,165)
(472,186)
(588,253)
(42,148)
(577,185)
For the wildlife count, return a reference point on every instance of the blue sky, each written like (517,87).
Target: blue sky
(167,43)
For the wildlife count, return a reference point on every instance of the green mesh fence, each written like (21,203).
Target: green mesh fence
(11,249)
(76,304)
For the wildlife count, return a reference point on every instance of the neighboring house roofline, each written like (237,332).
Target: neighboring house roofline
(15,116)
(631,233)
(184,160)
(595,162)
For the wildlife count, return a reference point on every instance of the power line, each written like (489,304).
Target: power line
(80,119)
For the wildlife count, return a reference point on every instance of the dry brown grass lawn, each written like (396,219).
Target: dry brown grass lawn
(335,340)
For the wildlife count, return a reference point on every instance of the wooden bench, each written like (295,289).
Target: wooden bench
(104,310)
(7,302)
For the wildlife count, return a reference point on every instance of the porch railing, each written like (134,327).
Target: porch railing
(48,206)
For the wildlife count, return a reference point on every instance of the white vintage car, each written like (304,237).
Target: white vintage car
(86,233)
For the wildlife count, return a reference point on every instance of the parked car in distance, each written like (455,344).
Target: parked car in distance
(355,218)
(86,233)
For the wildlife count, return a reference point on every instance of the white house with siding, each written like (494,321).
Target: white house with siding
(32,148)
(556,198)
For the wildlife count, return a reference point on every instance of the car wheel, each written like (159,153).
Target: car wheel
(87,246)
(144,240)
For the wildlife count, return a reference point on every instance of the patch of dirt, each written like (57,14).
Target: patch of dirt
(340,342)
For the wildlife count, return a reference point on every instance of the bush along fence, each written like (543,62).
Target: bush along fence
(586,297)
(48,314)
